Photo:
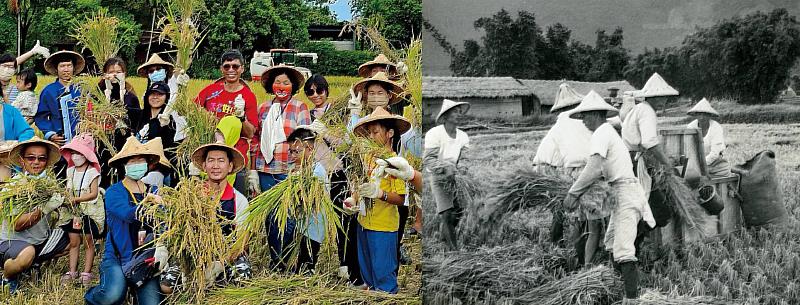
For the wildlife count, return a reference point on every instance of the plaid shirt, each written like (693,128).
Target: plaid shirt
(295,113)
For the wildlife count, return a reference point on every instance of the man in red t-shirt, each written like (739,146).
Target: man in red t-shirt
(231,96)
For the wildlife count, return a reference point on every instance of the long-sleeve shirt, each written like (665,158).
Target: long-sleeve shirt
(713,141)
(121,219)
(49,117)
(15,128)
(565,143)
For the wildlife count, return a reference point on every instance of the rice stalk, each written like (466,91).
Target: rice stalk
(99,33)
(654,297)
(200,127)
(599,285)
(192,230)
(99,116)
(413,83)
(23,193)
(682,200)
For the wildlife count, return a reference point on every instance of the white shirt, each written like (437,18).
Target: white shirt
(565,143)
(449,148)
(616,159)
(640,128)
(713,142)
(79,184)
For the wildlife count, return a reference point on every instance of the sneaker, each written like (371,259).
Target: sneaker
(11,285)
(343,273)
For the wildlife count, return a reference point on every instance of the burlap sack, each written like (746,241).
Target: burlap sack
(762,200)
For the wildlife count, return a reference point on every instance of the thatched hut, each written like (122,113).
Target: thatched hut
(491,97)
(546,90)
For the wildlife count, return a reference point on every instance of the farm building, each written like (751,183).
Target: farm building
(489,96)
(546,90)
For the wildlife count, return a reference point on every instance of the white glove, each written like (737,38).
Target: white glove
(161,258)
(121,125)
(38,49)
(402,170)
(182,79)
(238,104)
(213,271)
(371,190)
(350,207)
(254,182)
(318,127)
(354,104)
(164,119)
(193,170)
(401,68)
(343,273)
(55,201)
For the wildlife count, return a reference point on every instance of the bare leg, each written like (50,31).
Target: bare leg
(89,259)
(418,220)
(74,251)
(15,266)
(593,229)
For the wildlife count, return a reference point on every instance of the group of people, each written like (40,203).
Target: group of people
(255,148)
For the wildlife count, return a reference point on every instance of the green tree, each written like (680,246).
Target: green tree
(400,19)
(335,62)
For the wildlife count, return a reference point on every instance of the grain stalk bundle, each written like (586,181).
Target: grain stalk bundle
(654,297)
(681,199)
(99,115)
(599,285)
(99,33)
(192,230)
(22,194)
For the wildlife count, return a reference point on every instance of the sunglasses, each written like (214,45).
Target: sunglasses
(35,158)
(229,66)
(310,91)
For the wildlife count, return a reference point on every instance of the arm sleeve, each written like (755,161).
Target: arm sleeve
(303,116)
(717,143)
(589,175)
(648,127)
(24,131)
(546,150)
(118,205)
(42,117)
(241,210)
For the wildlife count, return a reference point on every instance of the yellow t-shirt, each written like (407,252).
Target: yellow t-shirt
(383,216)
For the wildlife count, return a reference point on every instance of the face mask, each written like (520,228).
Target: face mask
(376,101)
(118,77)
(281,91)
(158,76)
(6,73)
(136,171)
(78,159)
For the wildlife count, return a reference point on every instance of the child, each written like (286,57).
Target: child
(26,101)
(379,223)
(83,172)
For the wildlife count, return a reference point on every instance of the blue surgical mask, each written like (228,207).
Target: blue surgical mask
(158,76)
(136,171)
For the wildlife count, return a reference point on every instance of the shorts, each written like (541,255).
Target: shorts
(88,226)
(55,245)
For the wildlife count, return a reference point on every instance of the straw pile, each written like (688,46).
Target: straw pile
(99,116)
(599,285)
(654,297)
(682,200)
(193,232)
(22,194)
(99,34)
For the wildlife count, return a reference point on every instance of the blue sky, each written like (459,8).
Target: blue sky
(342,10)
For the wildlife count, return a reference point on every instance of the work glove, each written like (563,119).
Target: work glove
(164,119)
(193,170)
(55,201)
(161,257)
(343,273)
(354,104)
(121,125)
(371,190)
(182,79)
(38,49)
(350,206)
(570,202)
(238,105)
(254,183)
(397,167)
(213,272)
(402,68)
(318,127)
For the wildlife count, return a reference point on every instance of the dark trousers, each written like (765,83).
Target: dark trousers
(309,253)
(346,239)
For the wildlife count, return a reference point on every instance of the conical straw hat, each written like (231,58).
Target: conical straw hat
(449,104)
(380,114)
(53,155)
(238,158)
(394,96)
(657,86)
(703,106)
(157,146)
(154,60)
(133,148)
(593,102)
(382,60)
(51,66)
(566,97)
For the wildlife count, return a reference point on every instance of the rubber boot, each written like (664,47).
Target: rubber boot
(630,278)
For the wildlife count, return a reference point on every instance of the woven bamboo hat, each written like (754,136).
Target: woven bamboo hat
(154,60)
(53,155)
(5,149)
(295,76)
(703,106)
(394,96)
(566,97)
(157,146)
(199,153)
(449,104)
(133,148)
(593,102)
(380,60)
(656,86)
(51,65)
(380,114)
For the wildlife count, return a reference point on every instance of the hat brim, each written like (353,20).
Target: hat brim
(578,115)
(142,70)
(402,124)
(53,154)
(118,159)
(238,158)
(365,68)
(87,152)
(695,113)
(51,67)
(458,104)
(395,96)
(295,76)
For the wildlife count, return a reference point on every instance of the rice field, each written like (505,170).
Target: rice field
(746,267)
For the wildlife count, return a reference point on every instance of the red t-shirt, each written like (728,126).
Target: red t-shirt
(215,99)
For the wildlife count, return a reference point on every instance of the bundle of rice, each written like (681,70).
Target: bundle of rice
(317,289)
(99,115)
(599,285)
(681,199)
(492,273)
(22,194)
(99,34)
(654,297)
(413,83)
(192,230)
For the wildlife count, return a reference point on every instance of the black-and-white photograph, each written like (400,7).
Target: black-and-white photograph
(611,152)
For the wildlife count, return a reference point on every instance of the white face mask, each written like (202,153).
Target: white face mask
(6,73)
(78,159)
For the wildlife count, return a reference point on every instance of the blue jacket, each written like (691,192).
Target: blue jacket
(15,126)
(48,117)
(121,222)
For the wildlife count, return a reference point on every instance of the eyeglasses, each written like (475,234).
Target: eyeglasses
(9,65)
(310,91)
(229,66)
(35,158)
